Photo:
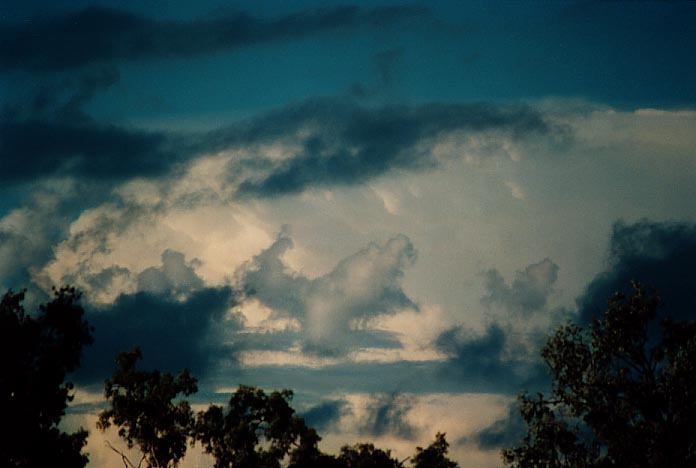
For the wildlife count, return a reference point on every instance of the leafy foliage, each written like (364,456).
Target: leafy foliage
(145,407)
(367,456)
(624,393)
(257,430)
(435,455)
(36,354)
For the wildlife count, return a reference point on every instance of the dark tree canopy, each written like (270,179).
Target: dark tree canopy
(435,455)
(36,354)
(623,395)
(146,408)
(367,456)
(256,431)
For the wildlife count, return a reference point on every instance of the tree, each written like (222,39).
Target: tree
(623,393)
(366,456)
(434,456)
(256,431)
(146,408)
(36,354)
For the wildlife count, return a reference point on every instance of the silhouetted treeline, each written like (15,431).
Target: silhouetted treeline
(623,394)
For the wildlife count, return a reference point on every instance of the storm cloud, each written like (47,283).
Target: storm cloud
(660,256)
(176,321)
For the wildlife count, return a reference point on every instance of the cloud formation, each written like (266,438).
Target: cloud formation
(345,144)
(325,416)
(657,255)
(504,432)
(387,416)
(176,320)
(528,292)
(101,35)
(332,308)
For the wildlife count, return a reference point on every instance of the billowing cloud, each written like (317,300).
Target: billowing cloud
(174,318)
(332,307)
(175,277)
(528,292)
(99,35)
(28,233)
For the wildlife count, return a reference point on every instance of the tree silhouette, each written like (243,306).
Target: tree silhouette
(366,455)
(145,407)
(623,395)
(434,456)
(36,354)
(256,431)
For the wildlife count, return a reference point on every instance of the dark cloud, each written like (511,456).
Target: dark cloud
(361,286)
(489,358)
(504,432)
(57,97)
(172,334)
(325,416)
(98,35)
(348,144)
(35,149)
(658,255)
(175,320)
(342,143)
(387,416)
(29,233)
(478,356)
(528,292)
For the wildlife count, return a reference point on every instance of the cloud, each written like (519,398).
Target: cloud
(176,321)
(28,233)
(476,357)
(97,35)
(35,149)
(529,291)
(175,277)
(327,142)
(657,255)
(504,432)
(344,144)
(332,308)
(387,416)
(325,416)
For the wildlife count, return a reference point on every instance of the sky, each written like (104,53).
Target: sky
(386,207)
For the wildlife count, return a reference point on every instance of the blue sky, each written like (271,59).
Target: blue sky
(384,206)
